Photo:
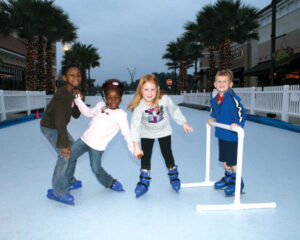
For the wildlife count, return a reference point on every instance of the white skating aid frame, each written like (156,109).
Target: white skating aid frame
(236,205)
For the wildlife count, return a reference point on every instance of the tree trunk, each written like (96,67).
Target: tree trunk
(182,76)
(50,77)
(227,54)
(212,69)
(30,81)
(40,67)
(221,56)
(84,82)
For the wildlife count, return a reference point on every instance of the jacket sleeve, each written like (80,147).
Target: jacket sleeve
(86,111)
(60,123)
(175,112)
(124,126)
(136,124)
(238,112)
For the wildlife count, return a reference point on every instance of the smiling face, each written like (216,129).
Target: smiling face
(113,98)
(149,92)
(222,84)
(72,77)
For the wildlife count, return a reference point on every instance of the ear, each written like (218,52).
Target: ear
(64,78)
(231,84)
(215,84)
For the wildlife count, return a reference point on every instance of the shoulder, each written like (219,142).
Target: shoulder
(100,104)
(61,93)
(165,98)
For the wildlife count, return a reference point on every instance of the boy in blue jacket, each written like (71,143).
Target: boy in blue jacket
(226,108)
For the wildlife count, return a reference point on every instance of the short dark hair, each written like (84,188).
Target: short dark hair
(66,68)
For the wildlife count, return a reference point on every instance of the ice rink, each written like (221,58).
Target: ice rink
(271,171)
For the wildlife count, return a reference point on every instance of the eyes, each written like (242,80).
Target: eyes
(109,98)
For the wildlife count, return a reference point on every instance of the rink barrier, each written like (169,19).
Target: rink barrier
(237,205)
(15,121)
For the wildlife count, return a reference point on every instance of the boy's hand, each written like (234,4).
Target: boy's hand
(234,125)
(65,152)
(210,121)
(187,128)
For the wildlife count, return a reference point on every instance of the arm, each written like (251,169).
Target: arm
(238,113)
(87,112)
(136,122)
(126,132)
(178,116)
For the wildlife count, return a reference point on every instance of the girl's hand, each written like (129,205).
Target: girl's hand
(210,121)
(138,153)
(187,128)
(65,152)
(234,125)
(77,93)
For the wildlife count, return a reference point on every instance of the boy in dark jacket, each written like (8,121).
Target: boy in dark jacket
(54,127)
(226,108)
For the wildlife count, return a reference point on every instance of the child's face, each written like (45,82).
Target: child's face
(222,84)
(149,91)
(113,98)
(73,77)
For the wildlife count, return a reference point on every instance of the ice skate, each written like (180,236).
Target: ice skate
(77,184)
(225,181)
(174,180)
(230,190)
(67,198)
(143,185)
(117,186)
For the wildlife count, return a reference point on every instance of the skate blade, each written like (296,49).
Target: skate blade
(64,203)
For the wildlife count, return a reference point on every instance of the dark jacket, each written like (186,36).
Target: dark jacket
(229,111)
(58,114)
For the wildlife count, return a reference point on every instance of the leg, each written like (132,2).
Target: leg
(95,161)
(223,155)
(143,185)
(165,147)
(60,181)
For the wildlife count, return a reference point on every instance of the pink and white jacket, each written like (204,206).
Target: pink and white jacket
(104,126)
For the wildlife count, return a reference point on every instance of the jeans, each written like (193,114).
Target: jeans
(78,148)
(64,169)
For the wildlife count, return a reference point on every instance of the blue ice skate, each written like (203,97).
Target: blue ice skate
(230,190)
(77,184)
(143,185)
(225,181)
(174,180)
(67,198)
(117,186)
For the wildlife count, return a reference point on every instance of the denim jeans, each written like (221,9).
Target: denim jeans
(64,169)
(78,148)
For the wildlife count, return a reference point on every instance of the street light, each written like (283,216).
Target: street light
(66,47)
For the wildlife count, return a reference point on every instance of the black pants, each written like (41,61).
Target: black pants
(165,148)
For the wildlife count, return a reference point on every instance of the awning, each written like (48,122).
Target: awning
(264,67)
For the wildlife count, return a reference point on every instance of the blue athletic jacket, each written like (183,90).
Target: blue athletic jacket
(229,111)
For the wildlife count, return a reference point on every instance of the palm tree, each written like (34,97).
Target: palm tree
(234,22)
(23,23)
(85,57)
(62,30)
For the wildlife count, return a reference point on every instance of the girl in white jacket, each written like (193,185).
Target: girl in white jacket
(107,120)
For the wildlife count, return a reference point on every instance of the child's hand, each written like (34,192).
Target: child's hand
(77,93)
(138,153)
(210,121)
(187,128)
(234,125)
(65,152)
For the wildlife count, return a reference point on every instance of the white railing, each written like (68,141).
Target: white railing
(282,100)
(19,101)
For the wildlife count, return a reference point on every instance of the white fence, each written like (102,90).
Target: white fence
(282,100)
(19,101)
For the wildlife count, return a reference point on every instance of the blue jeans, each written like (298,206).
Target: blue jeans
(64,169)
(78,148)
